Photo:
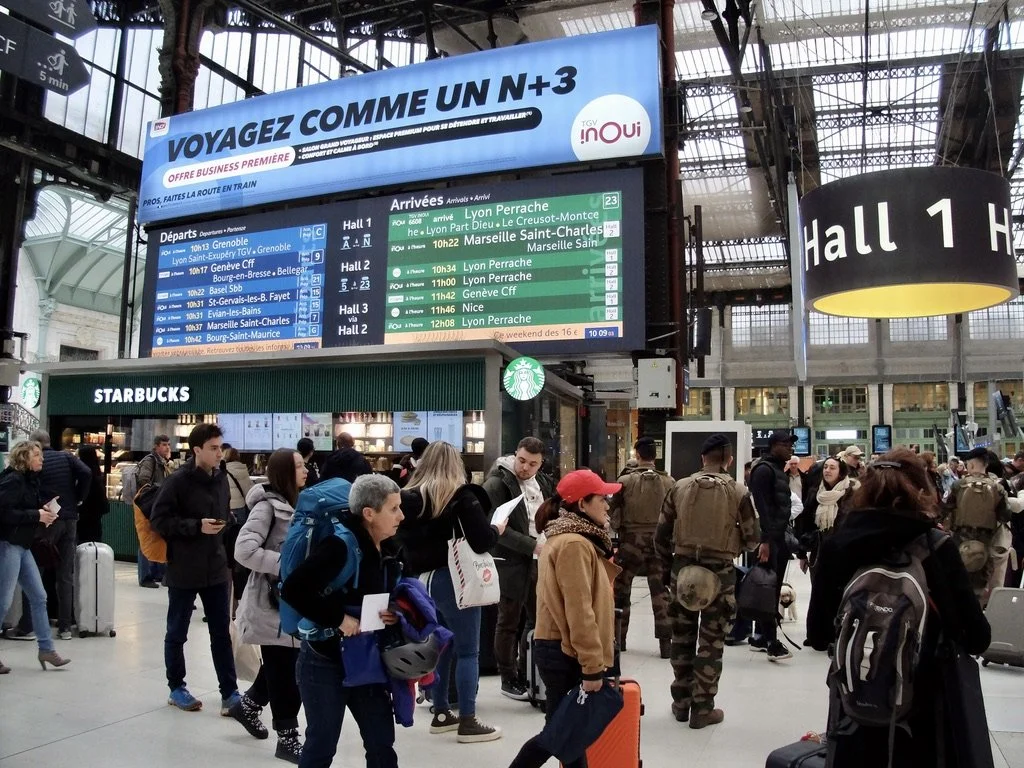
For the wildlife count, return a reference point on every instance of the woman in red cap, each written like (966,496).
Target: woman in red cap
(575,632)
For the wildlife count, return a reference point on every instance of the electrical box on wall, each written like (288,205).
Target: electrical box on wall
(656,383)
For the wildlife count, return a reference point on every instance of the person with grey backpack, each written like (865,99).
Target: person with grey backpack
(893,605)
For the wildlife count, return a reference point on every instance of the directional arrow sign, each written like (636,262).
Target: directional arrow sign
(39,58)
(70,18)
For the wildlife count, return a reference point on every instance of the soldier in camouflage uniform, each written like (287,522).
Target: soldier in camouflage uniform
(707,520)
(634,515)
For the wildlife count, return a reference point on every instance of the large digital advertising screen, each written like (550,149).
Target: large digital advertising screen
(550,103)
(554,263)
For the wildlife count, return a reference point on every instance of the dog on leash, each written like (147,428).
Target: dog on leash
(787,603)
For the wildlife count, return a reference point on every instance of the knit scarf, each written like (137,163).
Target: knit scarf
(828,503)
(569,522)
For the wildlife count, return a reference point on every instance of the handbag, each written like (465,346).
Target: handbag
(965,706)
(474,576)
(579,721)
(755,600)
(248,659)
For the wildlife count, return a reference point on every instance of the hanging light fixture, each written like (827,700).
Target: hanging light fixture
(913,242)
(708,15)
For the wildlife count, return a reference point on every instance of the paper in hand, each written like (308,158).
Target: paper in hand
(503,511)
(52,505)
(369,619)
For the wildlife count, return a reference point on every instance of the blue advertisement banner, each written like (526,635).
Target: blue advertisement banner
(578,99)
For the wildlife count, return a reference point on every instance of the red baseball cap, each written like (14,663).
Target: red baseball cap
(582,483)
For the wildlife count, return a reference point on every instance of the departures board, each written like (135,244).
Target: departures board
(541,264)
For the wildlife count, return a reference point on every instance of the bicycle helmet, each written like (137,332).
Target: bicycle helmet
(409,660)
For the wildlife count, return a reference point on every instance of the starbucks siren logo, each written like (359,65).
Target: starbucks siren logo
(524,378)
(31,392)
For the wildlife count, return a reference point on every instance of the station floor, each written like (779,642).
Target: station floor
(108,707)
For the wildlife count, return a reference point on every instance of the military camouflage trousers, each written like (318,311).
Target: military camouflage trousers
(636,557)
(698,640)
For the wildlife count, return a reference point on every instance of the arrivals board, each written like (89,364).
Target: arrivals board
(554,263)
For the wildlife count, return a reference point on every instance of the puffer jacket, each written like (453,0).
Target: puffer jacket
(258,548)
(239,483)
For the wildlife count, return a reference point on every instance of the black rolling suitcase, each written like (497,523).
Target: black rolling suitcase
(802,754)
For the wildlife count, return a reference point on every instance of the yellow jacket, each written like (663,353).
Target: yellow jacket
(575,604)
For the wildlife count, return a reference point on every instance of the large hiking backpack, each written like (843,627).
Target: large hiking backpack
(707,513)
(152,544)
(317,516)
(879,628)
(643,495)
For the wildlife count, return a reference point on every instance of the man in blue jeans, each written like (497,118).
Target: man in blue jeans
(190,512)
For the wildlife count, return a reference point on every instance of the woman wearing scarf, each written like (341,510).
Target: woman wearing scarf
(824,508)
(575,633)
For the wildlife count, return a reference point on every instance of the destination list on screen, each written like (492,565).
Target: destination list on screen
(537,269)
(554,261)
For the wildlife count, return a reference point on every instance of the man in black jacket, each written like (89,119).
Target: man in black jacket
(190,513)
(67,478)
(346,462)
(770,489)
(516,557)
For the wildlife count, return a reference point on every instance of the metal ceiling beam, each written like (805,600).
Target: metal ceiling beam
(303,34)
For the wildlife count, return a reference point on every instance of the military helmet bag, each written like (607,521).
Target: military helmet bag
(697,587)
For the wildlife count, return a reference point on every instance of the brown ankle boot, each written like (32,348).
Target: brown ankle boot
(52,658)
(703,719)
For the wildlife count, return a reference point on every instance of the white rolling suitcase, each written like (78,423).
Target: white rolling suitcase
(94,589)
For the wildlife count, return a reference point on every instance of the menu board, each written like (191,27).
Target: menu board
(408,425)
(447,426)
(232,427)
(317,427)
(287,430)
(553,264)
(259,431)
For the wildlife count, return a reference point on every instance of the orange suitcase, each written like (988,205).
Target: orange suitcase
(619,745)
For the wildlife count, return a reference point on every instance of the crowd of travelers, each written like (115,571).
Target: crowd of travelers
(293,559)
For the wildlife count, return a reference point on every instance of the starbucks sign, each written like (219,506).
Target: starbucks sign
(31,392)
(524,378)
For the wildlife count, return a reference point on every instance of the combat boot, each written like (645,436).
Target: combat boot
(703,719)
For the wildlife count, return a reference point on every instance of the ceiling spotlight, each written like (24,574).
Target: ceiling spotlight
(745,108)
(709,15)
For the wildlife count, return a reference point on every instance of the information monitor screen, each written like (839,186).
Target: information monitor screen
(542,264)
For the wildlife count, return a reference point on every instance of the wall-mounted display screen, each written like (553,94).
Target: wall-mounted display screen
(802,446)
(259,432)
(551,264)
(881,438)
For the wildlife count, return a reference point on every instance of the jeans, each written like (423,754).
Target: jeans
(148,571)
(17,566)
(509,644)
(560,674)
(180,603)
(276,685)
(465,625)
(64,534)
(325,697)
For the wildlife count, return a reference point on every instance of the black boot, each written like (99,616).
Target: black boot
(289,748)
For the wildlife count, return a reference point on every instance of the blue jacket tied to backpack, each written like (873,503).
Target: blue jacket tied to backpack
(317,516)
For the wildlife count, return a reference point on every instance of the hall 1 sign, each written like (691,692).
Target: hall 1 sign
(39,58)
(912,242)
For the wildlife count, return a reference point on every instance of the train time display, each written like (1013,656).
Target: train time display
(554,263)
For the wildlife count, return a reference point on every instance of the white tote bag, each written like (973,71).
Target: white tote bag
(474,576)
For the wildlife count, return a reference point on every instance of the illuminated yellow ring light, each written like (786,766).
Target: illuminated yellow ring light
(913,242)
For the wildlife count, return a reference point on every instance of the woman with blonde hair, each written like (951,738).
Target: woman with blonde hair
(22,510)
(438,504)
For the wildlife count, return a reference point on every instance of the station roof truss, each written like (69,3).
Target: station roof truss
(822,89)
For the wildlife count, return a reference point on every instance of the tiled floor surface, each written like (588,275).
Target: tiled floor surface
(108,707)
